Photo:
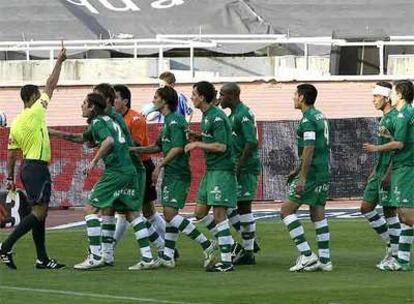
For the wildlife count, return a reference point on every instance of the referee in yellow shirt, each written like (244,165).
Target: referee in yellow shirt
(29,134)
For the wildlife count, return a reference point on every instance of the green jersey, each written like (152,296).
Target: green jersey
(173,136)
(386,128)
(244,131)
(404,132)
(215,127)
(313,130)
(117,159)
(117,118)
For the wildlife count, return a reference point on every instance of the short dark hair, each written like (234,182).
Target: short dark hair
(27,91)
(97,100)
(168,77)
(406,89)
(107,91)
(124,92)
(309,92)
(231,88)
(206,89)
(170,96)
(384,84)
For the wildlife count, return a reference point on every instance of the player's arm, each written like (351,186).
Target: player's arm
(53,79)
(156,148)
(72,137)
(11,163)
(220,136)
(192,135)
(372,173)
(12,149)
(309,141)
(145,150)
(292,174)
(173,153)
(104,148)
(249,131)
(209,147)
(307,156)
(178,140)
(397,143)
(391,146)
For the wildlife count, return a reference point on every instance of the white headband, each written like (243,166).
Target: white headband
(383,91)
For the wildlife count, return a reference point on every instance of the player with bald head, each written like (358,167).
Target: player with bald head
(245,147)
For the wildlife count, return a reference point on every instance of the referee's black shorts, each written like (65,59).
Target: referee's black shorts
(150,191)
(37,182)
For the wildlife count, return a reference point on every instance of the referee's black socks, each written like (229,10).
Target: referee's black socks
(38,234)
(28,223)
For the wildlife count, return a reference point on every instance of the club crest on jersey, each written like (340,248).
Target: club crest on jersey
(245,119)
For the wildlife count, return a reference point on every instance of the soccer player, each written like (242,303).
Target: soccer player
(120,188)
(245,146)
(402,175)
(218,188)
(387,228)
(168,79)
(177,176)
(104,248)
(137,127)
(309,183)
(29,134)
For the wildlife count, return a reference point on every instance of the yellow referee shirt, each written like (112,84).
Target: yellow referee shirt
(29,131)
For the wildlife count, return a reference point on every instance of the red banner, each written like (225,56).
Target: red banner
(70,186)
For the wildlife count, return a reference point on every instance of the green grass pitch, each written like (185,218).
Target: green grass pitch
(355,251)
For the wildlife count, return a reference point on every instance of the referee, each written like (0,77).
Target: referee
(29,134)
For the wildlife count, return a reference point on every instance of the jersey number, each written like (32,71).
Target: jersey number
(117,128)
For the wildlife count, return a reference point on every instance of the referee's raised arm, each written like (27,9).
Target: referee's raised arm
(29,134)
(53,79)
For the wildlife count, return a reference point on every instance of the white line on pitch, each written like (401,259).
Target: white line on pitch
(91,295)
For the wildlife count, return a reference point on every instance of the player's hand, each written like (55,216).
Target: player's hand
(290,176)
(299,187)
(369,148)
(91,144)
(62,54)
(192,135)
(10,185)
(191,146)
(386,182)
(90,167)
(155,174)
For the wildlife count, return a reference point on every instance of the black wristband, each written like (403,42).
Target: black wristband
(10,178)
